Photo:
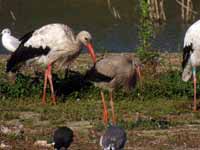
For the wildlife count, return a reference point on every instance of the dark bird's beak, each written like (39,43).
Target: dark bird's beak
(91,51)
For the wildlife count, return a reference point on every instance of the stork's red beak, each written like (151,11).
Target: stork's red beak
(91,51)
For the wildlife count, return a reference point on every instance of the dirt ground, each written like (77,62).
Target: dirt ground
(87,138)
(28,126)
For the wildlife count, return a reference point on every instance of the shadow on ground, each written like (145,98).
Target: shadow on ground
(71,82)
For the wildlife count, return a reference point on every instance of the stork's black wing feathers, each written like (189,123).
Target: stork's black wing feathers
(24,53)
(186,55)
(24,38)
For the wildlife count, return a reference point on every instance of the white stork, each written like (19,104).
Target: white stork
(191,55)
(52,43)
(10,42)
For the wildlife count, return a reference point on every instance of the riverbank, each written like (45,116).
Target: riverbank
(156,115)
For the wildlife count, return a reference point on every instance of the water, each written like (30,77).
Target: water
(109,34)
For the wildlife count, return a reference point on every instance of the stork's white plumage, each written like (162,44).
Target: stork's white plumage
(52,43)
(10,42)
(191,55)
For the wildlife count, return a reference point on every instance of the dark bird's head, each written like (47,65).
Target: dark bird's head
(63,137)
(6,31)
(85,38)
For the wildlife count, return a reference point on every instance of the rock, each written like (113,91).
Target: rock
(15,130)
(4,146)
(5,130)
(78,99)
(29,115)
(79,125)
(43,143)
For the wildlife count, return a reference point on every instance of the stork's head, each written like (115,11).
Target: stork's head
(6,31)
(85,38)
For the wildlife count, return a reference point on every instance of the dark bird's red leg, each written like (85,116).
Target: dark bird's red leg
(105,111)
(112,107)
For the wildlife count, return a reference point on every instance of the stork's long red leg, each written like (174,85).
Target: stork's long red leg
(105,111)
(112,107)
(45,86)
(51,84)
(195,84)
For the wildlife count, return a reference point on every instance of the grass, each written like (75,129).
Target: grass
(73,110)
(154,110)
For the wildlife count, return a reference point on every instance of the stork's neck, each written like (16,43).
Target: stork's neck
(78,41)
(75,49)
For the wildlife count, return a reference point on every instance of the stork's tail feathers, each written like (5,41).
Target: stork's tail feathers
(19,55)
(186,55)
(186,63)
(187,72)
(10,65)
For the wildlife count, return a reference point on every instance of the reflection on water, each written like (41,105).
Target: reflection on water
(113,23)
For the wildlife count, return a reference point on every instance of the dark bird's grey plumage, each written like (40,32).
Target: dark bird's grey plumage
(113,139)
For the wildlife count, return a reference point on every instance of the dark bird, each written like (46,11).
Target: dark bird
(63,137)
(191,55)
(112,72)
(114,138)
(52,43)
